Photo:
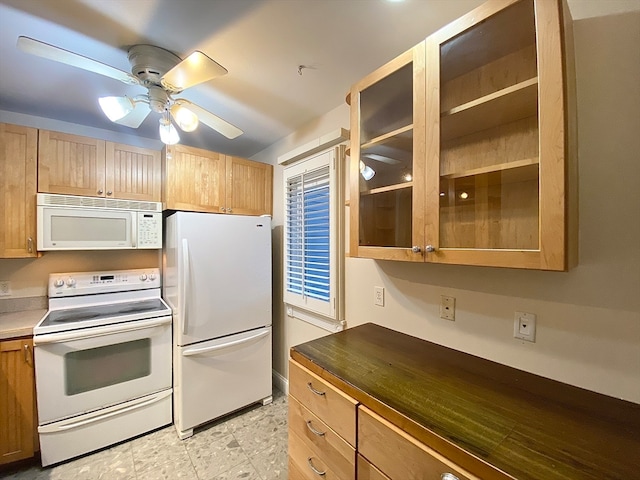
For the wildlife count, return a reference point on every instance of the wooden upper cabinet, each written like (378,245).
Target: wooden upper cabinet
(249,189)
(75,165)
(494,177)
(17,401)
(18,154)
(70,164)
(204,181)
(194,179)
(133,173)
(387,160)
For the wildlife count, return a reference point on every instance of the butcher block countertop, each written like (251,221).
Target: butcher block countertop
(496,421)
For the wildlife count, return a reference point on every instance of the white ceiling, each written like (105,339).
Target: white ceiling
(260,42)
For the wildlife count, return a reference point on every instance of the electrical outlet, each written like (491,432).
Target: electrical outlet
(378,296)
(5,288)
(524,326)
(447,307)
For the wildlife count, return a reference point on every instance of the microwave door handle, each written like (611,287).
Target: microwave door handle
(186,272)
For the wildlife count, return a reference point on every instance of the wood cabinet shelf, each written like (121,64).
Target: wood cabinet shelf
(388,188)
(398,138)
(517,171)
(506,105)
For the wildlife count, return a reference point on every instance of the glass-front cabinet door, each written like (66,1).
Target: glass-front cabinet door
(496,130)
(387,160)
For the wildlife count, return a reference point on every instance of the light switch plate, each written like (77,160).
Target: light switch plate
(448,307)
(378,296)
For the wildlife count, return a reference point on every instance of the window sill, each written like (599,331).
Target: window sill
(315,319)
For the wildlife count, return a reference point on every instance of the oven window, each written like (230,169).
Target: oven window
(104,366)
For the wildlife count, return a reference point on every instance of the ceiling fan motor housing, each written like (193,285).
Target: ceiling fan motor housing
(149,63)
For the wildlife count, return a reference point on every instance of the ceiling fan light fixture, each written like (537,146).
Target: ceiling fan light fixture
(184,118)
(116,108)
(168,133)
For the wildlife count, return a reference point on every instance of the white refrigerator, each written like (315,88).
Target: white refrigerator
(217,280)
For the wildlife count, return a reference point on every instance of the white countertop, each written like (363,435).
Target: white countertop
(19,324)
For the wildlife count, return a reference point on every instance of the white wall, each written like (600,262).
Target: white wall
(588,330)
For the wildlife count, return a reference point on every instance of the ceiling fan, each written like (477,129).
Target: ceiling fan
(162,73)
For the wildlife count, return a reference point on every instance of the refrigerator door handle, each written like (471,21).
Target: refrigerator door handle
(202,350)
(185,288)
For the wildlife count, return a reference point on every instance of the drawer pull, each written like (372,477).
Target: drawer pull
(314,469)
(317,392)
(313,430)
(448,476)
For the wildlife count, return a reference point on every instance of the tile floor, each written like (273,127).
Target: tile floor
(248,445)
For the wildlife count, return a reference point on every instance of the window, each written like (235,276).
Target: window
(312,245)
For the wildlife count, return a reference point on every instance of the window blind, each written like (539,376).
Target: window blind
(308,234)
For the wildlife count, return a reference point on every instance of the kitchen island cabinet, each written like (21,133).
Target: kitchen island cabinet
(75,165)
(199,180)
(18,158)
(18,435)
(425,410)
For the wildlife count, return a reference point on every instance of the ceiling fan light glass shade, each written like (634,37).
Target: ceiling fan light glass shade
(184,118)
(116,108)
(366,171)
(168,133)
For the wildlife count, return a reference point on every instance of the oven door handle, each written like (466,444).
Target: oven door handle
(84,333)
(101,415)
(185,288)
(201,350)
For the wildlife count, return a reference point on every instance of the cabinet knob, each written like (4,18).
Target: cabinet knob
(416,249)
(229,210)
(430,248)
(100,192)
(448,476)
(222,209)
(109,192)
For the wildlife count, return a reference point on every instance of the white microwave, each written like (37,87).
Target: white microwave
(67,222)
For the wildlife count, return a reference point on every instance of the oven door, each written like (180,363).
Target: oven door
(83,370)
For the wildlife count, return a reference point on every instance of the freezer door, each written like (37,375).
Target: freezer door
(217,274)
(220,376)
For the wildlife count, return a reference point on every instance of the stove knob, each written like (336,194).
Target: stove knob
(70,282)
(152,276)
(58,283)
(143,277)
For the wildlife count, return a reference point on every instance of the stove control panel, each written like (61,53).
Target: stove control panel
(87,283)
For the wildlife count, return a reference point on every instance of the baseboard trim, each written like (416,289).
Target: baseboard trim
(280,382)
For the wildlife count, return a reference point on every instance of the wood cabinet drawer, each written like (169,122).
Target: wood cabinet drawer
(326,443)
(306,463)
(328,403)
(399,455)
(366,471)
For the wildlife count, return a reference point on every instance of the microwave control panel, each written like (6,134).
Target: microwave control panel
(149,230)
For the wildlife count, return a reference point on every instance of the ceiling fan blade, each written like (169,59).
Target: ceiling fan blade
(44,50)
(135,118)
(194,69)
(211,120)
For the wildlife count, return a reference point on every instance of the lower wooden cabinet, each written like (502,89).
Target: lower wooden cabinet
(322,426)
(398,455)
(17,401)
(323,443)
